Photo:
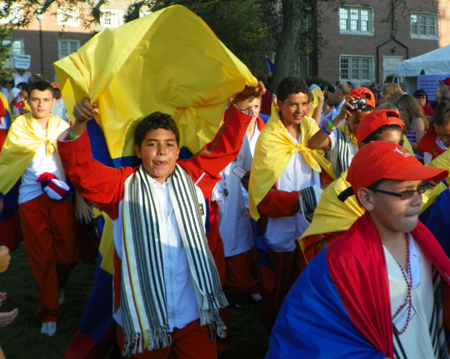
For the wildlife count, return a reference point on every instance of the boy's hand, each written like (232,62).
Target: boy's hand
(241,99)
(83,111)
(8,317)
(4,258)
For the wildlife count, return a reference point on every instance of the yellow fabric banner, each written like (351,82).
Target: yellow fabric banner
(169,61)
(22,143)
(273,152)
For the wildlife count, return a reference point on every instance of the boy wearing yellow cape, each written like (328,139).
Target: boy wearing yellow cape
(282,167)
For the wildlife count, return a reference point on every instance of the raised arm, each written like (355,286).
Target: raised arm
(93,180)
(223,149)
(321,139)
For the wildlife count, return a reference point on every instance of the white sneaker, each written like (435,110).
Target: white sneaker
(48,328)
(256,297)
(62,296)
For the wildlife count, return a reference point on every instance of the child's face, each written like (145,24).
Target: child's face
(41,103)
(255,105)
(159,152)
(392,214)
(355,119)
(293,109)
(443,133)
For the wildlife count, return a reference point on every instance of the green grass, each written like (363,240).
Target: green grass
(22,339)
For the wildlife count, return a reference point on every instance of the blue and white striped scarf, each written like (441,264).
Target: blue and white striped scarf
(143,292)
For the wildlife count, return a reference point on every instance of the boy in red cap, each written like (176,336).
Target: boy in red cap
(339,138)
(332,217)
(376,291)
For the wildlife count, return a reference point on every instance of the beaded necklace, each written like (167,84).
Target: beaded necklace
(408,279)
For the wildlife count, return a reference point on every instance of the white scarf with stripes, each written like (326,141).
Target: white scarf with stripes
(143,292)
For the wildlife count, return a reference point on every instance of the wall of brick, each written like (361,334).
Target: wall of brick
(363,45)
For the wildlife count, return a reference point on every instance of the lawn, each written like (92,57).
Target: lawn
(22,339)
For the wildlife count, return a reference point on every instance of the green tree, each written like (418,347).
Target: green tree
(5,46)
(244,26)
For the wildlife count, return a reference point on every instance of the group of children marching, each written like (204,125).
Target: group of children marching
(336,205)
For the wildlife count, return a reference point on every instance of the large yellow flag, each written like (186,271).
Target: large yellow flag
(273,152)
(169,61)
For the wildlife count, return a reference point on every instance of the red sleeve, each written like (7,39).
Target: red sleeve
(428,140)
(93,180)
(315,243)
(2,109)
(218,153)
(278,203)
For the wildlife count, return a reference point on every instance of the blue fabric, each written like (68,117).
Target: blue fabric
(436,219)
(313,322)
(265,118)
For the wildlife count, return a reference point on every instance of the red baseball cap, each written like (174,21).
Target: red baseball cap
(386,160)
(366,93)
(374,120)
(445,81)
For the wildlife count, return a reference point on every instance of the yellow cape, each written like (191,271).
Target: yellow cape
(273,152)
(169,61)
(5,102)
(22,143)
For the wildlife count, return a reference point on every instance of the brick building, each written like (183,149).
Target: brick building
(362,44)
(59,32)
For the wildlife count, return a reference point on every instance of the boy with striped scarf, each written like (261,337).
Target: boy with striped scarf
(167,289)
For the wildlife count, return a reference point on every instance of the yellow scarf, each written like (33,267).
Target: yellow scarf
(23,141)
(315,103)
(169,61)
(273,152)
(344,128)
(5,102)
(333,215)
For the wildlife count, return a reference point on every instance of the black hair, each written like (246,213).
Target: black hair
(372,187)
(153,122)
(442,113)
(292,85)
(420,93)
(24,86)
(375,134)
(41,86)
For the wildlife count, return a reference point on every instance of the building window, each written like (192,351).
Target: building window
(67,16)
(356,20)
(66,47)
(17,48)
(111,18)
(145,13)
(358,68)
(424,25)
(15,14)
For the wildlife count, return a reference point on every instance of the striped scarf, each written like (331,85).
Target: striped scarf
(143,293)
(344,142)
(436,327)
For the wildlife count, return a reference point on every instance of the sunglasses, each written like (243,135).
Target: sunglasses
(405,194)
(420,96)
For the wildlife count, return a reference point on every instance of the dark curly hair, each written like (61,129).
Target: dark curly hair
(153,122)
(292,85)
(442,113)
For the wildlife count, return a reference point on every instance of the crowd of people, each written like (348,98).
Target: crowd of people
(307,200)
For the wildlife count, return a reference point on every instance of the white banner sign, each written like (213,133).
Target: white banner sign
(22,62)
(428,83)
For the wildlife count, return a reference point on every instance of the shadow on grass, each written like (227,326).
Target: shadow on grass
(22,339)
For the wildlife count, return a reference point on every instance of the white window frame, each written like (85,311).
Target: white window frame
(351,61)
(15,15)
(17,48)
(75,44)
(115,20)
(351,10)
(429,17)
(68,16)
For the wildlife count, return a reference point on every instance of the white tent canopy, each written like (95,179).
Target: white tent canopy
(435,62)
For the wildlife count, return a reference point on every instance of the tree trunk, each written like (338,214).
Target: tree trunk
(287,48)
